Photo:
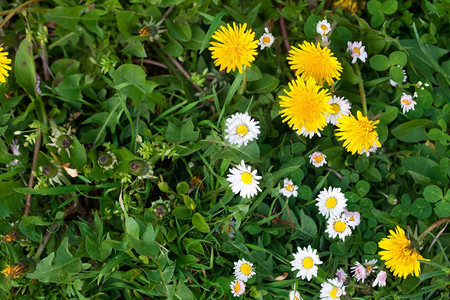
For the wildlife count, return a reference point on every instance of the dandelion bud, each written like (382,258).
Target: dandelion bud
(160,208)
(107,160)
(141,168)
(10,237)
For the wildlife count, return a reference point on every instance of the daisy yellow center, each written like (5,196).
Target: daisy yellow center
(323,27)
(356,50)
(296,298)
(242,130)
(246,178)
(336,108)
(318,158)
(266,40)
(308,263)
(331,202)
(406,101)
(369,268)
(290,188)
(246,269)
(334,293)
(339,226)
(237,287)
(352,218)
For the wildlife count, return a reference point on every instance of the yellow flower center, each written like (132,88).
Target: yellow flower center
(324,28)
(406,101)
(246,269)
(296,298)
(237,287)
(318,158)
(334,293)
(339,226)
(247,178)
(331,202)
(336,108)
(357,50)
(308,263)
(290,188)
(352,219)
(242,130)
(266,40)
(369,268)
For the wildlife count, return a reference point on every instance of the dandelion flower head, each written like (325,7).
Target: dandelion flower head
(235,47)
(4,65)
(358,133)
(315,62)
(399,256)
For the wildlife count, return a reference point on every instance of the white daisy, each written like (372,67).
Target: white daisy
(370,265)
(244,181)
(294,295)
(341,107)
(308,133)
(359,272)
(357,50)
(354,218)
(323,28)
(243,270)
(266,40)
(341,275)
(306,261)
(393,83)
(318,159)
(241,129)
(331,202)
(407,103)
(338,226)
(381,279)
(289,189)
(237,288)
(332,289)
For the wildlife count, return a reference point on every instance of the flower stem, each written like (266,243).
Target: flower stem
(361,88)
(433,226)
(244,83)
(17,10)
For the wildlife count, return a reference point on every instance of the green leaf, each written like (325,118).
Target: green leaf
(389,115)
(424,170)
(372,174)
(24,67)
(173,47)
(199,222)
(311,25)
(180,31)
(66,17)
(125,19)
(396,74)
(90,20)
(29,226)
(379,62)
(59,268)
(147,246)
(177,133)
(69,89)
(442,209)
(212,28)
(59,190)
(189,202)
(377,19)
(132,228)
(390,7)
(362,187)
(433,193)
(10,201)
(398,58)
(374,6)
(198,36)
(421,208)
(78,157)
(266,84)
(412,131)
(370,247)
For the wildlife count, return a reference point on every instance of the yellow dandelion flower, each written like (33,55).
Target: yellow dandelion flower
(316,62)
(14,271)
(10,237)
(235,47)
(400,257)
(4,62)
(358,133)
(350,5)
(305,106)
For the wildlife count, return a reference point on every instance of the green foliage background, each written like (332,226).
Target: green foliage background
(97,235)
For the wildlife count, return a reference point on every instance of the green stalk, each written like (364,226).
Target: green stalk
(361,88)
(244,83)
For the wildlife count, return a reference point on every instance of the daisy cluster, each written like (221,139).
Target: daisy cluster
(362,271)
(243,271)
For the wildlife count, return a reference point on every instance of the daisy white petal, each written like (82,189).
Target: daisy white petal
(289,189)
(266,40)
(331,202)
(306,261)
(370,265)
(237,287)
(357,50)
(244,181)
(294,295)
(318,159)
(332,289)
(359,272)
(407,103)
(241,129)
(341,107)
(243,270)
(338,226)
(354,218)
(341,275)
(380,280)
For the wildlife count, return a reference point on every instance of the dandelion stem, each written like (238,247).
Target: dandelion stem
(284,33)
(37,147)
(244,83)
(434,225)
(361,88)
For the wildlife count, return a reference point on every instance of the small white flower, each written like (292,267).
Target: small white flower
(289,189)
(294,295)
(426,84)
(372,149)
(338,226)
(15,151)
(407,103)
(370,265)
(415,95)
(332,289)
(419,84)
(241,129)
(331,202)
(244,181)
(341,275)
(266,40)
(393,83)
(308,133)
(357,50)
(323,28)
(359,272)
(380,280)
(237,288)
(318,159)
(243,270)
(306,261)
(341,107)
(354,218)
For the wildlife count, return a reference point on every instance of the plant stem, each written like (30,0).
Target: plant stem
(434,225)
(37,146)
(16,10)
(361,88)
(244,83)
